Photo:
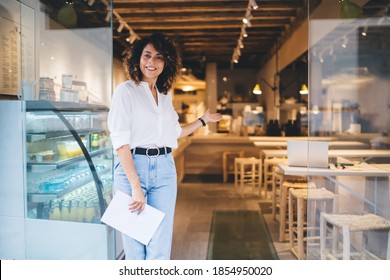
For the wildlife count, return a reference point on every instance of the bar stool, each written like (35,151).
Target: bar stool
(321,198)
(284,226)
(269,164)
(347,224)
(280,186)
(247,174)
(228,163)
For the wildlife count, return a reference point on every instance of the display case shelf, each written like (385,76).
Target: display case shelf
(59,163)
(38,136)
(40,197)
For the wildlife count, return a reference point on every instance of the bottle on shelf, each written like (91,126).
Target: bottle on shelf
(65,214)
(95,141)
(55,212)
(81,211)
(74,209)
(89,212)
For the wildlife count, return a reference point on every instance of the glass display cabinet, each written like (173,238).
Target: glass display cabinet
(69,162)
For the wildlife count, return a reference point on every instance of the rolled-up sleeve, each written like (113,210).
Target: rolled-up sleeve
(119,117)
(178,127)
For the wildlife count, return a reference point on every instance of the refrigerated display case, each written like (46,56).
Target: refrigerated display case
(64,158)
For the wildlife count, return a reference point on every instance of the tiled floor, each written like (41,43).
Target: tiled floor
(195,205)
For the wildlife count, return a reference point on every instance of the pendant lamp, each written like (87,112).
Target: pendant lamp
(67,15)
(349,9)
(257,89)
(304,89)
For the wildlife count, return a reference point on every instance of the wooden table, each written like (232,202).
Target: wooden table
(366,154)
(366,170)
(332,144)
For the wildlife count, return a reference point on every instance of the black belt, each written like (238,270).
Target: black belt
(151,152)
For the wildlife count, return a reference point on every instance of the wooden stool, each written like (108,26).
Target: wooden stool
(317,196)
(280,187)
(269,164)
(228,163)
(247,173)
(283,205)
(347,224)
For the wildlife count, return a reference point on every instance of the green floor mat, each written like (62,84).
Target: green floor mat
(240,235)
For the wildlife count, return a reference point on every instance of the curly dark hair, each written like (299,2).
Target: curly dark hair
(169,51)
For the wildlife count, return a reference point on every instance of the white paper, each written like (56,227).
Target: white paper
(141,226)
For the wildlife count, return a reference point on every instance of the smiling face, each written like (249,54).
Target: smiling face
(151,63)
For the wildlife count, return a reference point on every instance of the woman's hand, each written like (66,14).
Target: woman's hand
(208,117)
(139,201)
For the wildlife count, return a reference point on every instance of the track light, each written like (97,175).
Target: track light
(253,4)
(331,50)
(321,58)
(132,38)
(243,32)
(345,42)
(364,31)
(247,19)
(108,16)
(121,26)
(240,44)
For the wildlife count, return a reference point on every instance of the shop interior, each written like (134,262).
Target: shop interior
(282,73)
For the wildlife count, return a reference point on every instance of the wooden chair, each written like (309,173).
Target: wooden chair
(247,174)
(228,163)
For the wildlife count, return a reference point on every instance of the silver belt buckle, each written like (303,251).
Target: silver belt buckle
(147,152)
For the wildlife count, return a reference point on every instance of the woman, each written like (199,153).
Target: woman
(144,130)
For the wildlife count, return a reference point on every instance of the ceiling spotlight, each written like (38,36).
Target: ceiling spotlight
(364,31)
(238,51)
(240,44)
(133,37)
(90,2)
(321,58)
(243,32)
(253,4)
(121,26)
(331,50)
(344,43)
(247,21)
(108,16)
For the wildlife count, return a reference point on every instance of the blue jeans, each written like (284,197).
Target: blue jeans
(159,184)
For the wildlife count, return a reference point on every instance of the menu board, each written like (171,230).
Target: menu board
(17,55)
(9,56)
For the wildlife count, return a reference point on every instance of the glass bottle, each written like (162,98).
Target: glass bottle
(55,213)
(81,211)
(65,210)
(95,141)
(74,209)
(89,212)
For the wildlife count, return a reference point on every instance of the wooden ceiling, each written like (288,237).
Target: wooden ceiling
(205,30)
(209,30)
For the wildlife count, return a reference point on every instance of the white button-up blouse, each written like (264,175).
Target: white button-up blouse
(136,120)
